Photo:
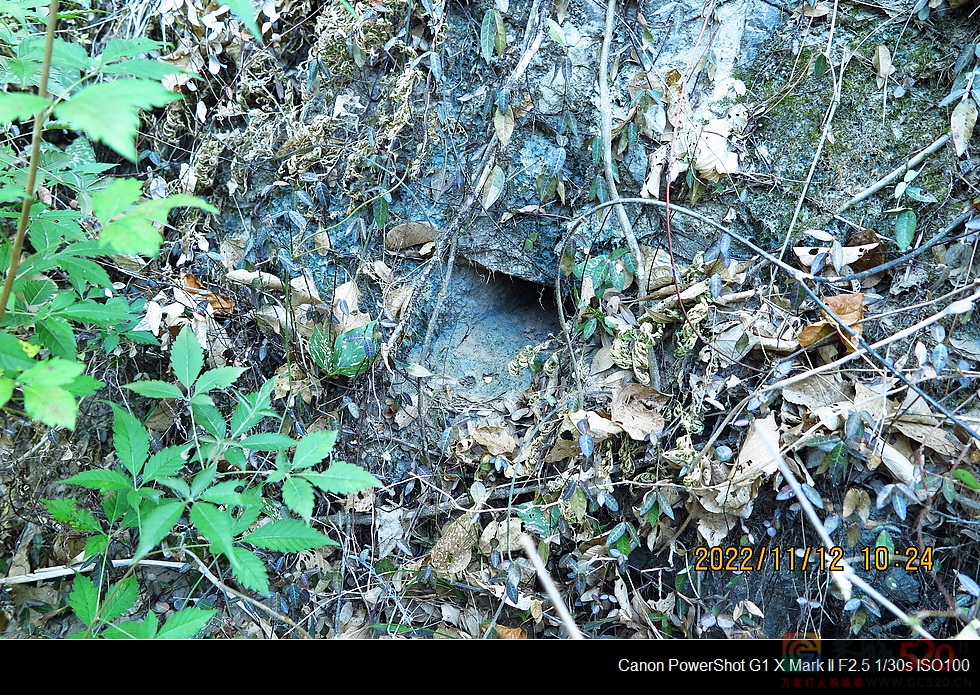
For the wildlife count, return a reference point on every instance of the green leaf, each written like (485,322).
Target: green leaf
(143,68)
(51,405)
(298,496)
(57,335)
(187,358)
(100,479)
(87,311)
(249,570)
(210,418)
(487,30)
(133,629)
(225,494)
(13,355)
(157,525)
(967,478)
(556,33)
(884,540)
(166,462)
(131,441)
(115,198)
(494,187)
(313,448)
(186,624)
(287,536)
(6,390)
(120,598)
(500,33)
(215,525)
(203,479)
(66,511)
(20,106)
(905,224)
(109,111)
(127,48)
(252,409)
(343,478)
(132,236)
(52,372)
(84,599)
(268,441)
(220,378)
(153,388)
(83,385)
(96,545)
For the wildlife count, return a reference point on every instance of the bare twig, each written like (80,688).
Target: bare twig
(900,171)
(549,586)
(48,573)
(846,576)
(605,112)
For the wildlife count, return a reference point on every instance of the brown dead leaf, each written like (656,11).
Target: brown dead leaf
(849,308)
(856,500)
(638,410)
(504,632)
(403,236)
(346,315)
(496,440)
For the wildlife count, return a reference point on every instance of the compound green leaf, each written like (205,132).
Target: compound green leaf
(313,448)
(343,478)
(131,441)
(186,624)
(298,496)
(109,111)
(84,599)
(20,106)
(288,536)
(153,388)
(56,335)
(120,598)
(187,357)
(157,525)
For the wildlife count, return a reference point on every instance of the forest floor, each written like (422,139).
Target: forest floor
(761,364)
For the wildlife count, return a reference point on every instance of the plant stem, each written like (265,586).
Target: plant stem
(39,118)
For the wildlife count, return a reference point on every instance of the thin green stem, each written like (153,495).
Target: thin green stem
(39,118)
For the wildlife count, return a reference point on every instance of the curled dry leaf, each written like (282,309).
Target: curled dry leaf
(638,410)
(849,308)
(403,236)
(883,65)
